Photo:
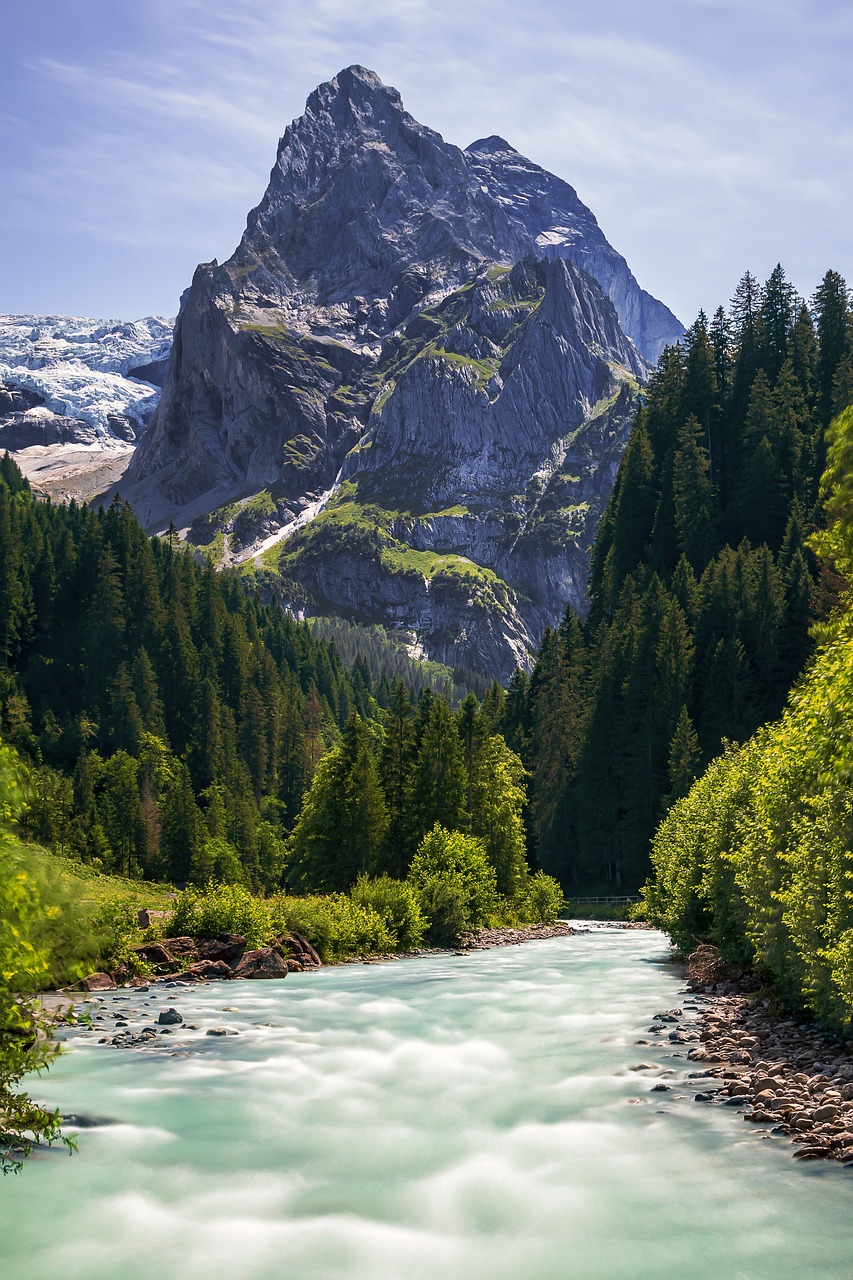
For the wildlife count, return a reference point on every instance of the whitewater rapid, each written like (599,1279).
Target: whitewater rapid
(445,1118)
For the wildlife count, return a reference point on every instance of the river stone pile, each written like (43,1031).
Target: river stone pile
(185,959)
(785,1074)
(485,938)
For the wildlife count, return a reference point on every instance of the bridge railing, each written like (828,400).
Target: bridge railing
(608,900)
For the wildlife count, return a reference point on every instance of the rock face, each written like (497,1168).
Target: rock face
(548,210)
(263,963)
(416,373)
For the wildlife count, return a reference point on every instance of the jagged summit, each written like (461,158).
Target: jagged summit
(493,143)
(357,87)
(447,331)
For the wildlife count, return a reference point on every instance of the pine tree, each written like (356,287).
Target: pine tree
(439,784)
(684,759)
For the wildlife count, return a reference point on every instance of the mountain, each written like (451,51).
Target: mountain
(408,389)
(76,394)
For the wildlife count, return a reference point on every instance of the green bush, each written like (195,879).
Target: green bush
(222,908)
(540,901)
(335,925)
(24,1045)
(397,903)
(113,930)
(455,883)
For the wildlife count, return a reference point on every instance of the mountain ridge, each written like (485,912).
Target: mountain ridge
(345,303)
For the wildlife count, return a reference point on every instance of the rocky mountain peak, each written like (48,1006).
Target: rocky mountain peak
(493,145)
(409,387)
(355,95)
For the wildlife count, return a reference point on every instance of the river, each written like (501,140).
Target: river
(444,1118)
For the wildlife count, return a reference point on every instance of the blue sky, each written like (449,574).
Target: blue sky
(708,136)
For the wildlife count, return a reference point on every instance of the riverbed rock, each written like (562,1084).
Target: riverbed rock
(181,947)
(262,963)
(97,982)
(225,946)
(301,949)
(204,971)
(154,953)
(170,1018)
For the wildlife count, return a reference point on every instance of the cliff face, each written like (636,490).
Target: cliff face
(548,211)
(408,389)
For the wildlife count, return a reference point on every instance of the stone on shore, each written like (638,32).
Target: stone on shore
(225,946)
(97,982)
(262,963)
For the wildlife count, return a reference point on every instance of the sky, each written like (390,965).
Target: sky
(707,136)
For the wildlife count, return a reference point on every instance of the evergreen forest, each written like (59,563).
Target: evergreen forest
(177,728)
(758,857)
(704,583)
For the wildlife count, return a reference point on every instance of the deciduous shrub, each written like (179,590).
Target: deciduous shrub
(23,1045)
(222,908)
(335,925)
(455,883)
(540,901)
(397,903)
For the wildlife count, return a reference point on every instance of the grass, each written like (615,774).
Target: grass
(82,905)
(483,370)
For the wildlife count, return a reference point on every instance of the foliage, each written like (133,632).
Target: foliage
(455,882)
(541,900)
(339,927)
(758,858)
(397,903)
(343,821)
(222,908)
(703,584)
(24,1028)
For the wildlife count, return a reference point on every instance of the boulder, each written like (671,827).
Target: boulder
(169,1018)
(181,947)
(154,953)
(263,963)
(97,982)
(302,949)
(206,969)
(225,946)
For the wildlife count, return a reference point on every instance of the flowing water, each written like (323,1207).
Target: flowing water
(434,1119)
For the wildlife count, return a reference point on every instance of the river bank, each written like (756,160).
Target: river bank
(200,962)
(787,1074)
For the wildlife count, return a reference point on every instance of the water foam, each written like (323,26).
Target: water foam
(450,1117)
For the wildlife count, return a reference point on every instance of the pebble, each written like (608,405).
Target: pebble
(779,1071)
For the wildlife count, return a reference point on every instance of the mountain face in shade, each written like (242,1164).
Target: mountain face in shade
(407,391)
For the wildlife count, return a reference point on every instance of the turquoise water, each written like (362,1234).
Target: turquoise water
(449,1118)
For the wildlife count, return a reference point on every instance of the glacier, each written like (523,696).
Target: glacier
(84,371)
